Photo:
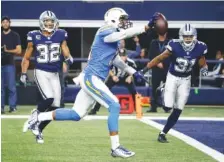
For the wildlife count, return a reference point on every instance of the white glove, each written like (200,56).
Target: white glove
(204,71)
(24,78)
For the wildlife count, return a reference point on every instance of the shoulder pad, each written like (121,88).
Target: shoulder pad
(106,27)
(201,43)
(203,46)
(31,34)
(175,40)
(63,33)
(61,30)
(34,31)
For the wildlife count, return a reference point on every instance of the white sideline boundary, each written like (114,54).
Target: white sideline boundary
(188,140)
(125,117)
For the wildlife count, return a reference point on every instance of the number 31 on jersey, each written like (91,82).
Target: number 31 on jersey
(184,65)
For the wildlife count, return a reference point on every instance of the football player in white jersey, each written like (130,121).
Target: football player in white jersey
(184,53)
(103,54)
(46,45)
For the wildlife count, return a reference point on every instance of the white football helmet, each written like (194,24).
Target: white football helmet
(48,21)
(188,37)
(118,18)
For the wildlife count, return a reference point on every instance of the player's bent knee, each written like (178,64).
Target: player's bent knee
(75,116)
(114,108)
(49,101)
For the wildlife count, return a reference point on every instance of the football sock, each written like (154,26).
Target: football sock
(45,116)
(114,141)
(114,110)
(45,123)
(172,119)
(96,107)
(166,108)
(45,104)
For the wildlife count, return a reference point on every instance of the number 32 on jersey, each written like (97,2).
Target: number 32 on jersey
(48,53)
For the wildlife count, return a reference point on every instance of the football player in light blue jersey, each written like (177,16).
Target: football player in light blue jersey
(184,53)
(103,54)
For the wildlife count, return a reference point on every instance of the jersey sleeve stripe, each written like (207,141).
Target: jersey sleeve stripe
(169,48)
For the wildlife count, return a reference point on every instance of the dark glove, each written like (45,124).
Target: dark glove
(140,76)
(153,19)
(145,70)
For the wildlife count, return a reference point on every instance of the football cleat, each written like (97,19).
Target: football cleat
(32,123)
(35,129)
(162,138)
(122,152)
(39,138)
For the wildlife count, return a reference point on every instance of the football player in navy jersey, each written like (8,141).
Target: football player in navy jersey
(184,53)
(46,44)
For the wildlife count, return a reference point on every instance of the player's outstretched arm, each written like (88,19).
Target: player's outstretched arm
(130,32)
(26,58)
(66,53)
(157,60)
(124,34)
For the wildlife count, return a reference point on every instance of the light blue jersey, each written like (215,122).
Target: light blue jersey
(101,53)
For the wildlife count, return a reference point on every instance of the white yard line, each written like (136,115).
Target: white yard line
(190,141)
(124,117)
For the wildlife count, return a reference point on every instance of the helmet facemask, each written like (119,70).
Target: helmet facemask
(49,25)
(48,21)
(124,22)
(188,37)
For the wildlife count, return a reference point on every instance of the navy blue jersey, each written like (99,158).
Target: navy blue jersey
(47,50)
(182,61)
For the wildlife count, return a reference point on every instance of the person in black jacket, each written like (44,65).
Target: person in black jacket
(118,77)
(157,46)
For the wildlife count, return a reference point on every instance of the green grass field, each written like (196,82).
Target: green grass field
(88,141)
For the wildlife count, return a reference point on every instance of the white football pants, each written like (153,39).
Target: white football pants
(49,85)
(177,90)
(93,89)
